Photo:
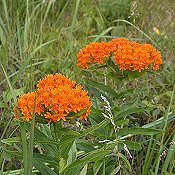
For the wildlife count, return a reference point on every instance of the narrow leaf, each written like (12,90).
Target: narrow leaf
(101,87)
(11,140)
(116,170)
(138,131)
(95,127)
(44,159)
(43,169)
(132,145)
(159,122)
(72,154)
(79,163)
(126,161)
(84,170)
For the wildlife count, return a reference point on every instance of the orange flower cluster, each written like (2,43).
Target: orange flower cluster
(26,104)
(128,55)
(56,97)
(93,53)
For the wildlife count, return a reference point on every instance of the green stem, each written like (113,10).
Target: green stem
(57,126)
(149,155)
(146,164)
(31,141)
(24,147)
(104,167)
(170,156)
(164,131)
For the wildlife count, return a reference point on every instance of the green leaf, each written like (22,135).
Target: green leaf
(9,154)
(41,119)
(95,115)
(85,145)
(132,145)
(62,164)
(40,137)
(45,141)
(124,93)
(130,109)
(84,170)
(67,131)
(159,122)
(72,154)
(91,157)
(96,167)
(45,159)
(101,87)
(43,169)
(75,114)
(138,131)
(115,75)
(67,139)
(14,172)
(65,147)
(125,160)
(116,170)
(152,173)
(122,122)
(11,140)
(95,127)
(133,74)
(167,173)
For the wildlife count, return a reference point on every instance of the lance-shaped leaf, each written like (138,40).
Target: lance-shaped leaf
(138,131)
(101,87)
(95,127)
(43,169)
(79,163)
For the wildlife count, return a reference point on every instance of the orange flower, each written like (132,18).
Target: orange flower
(134,56)
(56,97)
(26,104)
(93,53)
(127,55)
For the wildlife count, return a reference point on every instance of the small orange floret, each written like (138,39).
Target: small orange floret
(56,96)
(128,55)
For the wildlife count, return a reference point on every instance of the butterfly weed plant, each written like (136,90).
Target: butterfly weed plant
(68,130)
